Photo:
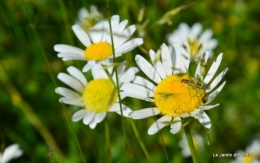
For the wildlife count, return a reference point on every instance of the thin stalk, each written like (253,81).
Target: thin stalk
(109,160)
(140,141)
(209,144)
(163,145)
(117,80)
(190,143)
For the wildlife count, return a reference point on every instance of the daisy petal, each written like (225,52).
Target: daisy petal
(208,107)
(68,93)
(122,26)
(121,37)
(144,82)
(205,57)
(215,93)
(198,72)
(116,107)
(100,117)
(205,36)
(79,115)
(212,44)
(73,58)
(180,64)
(88,117)
(126,111)
(77,74)
(62,48)
(166,59)
(144,113)
(81,34)
(98,72)
(160,69)
(195,31)
(127,94)
(213,69)
(136,89)
(129,45)
(71,55)
(120,68)
(70,101)
(128,75)
(159,124)
(70,81)
(92,124)
(176,126)
(88,66)
(147,68)
(11,152)
(204,120)
(216,80)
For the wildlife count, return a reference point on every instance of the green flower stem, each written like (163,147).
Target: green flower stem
(117,80)
(190,142)
(140,141)
(109,160)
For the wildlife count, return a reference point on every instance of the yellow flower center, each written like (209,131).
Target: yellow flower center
(178,94)
(87,24)
(99,95)
(98,51)
(195,47)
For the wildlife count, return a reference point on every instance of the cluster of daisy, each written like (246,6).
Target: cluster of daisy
(173,91)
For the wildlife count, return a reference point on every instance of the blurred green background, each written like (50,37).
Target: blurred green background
(31,115)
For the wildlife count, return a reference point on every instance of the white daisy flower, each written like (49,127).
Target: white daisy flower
(10,152)
(198,144)
(175,93)
(87,18)
(98,43)
(96,97)
(194,43)
(250,155)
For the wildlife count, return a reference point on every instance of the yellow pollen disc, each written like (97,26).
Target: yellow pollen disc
(87,24)
(99,95)
(98,51)
(178,94)
(195,47)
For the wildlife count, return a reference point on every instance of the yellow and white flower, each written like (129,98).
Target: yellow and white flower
(88,19)
(98,96)
(174,91)
(98,43)
(11,152)
(194,43)
(250,155)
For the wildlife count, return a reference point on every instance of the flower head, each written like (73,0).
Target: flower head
(98,96)
(11,152)
(194,43)
(88,19)
(175,93)
(98,43)
(250,155)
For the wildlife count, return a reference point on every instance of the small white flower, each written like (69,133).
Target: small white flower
(175,93)
(253,150)
(98,43)
(87,18)
(10,152)
(96,97)
(194,43)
